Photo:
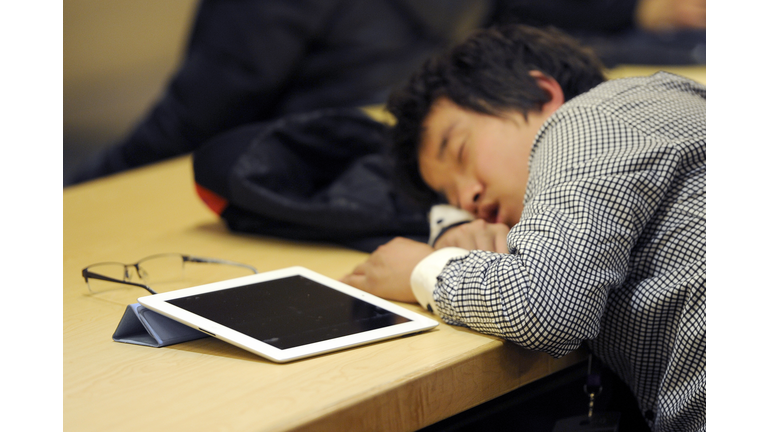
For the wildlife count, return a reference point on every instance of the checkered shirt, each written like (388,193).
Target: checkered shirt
(610,248)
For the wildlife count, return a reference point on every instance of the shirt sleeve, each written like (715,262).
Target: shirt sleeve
(424,276)
(594,184)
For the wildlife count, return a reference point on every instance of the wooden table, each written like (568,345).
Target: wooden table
(209,385)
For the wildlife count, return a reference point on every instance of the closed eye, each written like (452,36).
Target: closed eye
(461,152)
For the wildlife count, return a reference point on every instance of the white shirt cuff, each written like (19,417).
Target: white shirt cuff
(443,217)
(424,275)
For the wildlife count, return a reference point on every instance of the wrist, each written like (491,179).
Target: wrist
(424,275)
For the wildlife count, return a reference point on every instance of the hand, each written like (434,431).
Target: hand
(661,15)
(387,272)
(476,235)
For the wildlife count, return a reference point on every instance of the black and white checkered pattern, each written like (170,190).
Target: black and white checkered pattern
(610,247)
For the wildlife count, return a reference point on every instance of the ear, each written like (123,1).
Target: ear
(552,87)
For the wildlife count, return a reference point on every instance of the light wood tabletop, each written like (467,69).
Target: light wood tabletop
(209,385)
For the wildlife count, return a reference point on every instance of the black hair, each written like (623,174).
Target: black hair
(488,73)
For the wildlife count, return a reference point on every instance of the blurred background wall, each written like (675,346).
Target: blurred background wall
(118,56)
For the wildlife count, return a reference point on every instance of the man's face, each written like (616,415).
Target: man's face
(479,162)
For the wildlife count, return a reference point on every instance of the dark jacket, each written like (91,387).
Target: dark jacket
(320,176)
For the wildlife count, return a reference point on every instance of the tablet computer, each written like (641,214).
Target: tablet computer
(288,314)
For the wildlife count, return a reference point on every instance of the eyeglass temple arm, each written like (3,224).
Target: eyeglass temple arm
(195,259)
(88,274)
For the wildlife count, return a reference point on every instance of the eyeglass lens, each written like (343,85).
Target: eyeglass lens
(161,268)
(164,272)
(156,269)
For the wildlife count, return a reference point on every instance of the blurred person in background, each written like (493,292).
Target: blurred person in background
(257,61)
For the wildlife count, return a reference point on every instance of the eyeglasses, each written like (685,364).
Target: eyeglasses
(155,269)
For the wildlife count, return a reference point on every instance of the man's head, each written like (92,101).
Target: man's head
(509,74)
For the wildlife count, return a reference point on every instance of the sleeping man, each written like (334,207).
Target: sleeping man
(588,198)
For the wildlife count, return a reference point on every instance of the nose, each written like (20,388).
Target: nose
(469,197)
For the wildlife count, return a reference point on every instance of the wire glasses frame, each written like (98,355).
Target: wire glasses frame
(148,269)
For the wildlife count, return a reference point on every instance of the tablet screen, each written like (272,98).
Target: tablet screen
(289,312)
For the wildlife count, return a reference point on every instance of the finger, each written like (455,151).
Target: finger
(501,244)
(443,240)
(468,242)
(357,281)
(483,241)
(360,269)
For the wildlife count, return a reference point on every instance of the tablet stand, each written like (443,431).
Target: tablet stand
(142,326)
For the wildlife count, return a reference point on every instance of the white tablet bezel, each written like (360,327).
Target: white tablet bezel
(159,303)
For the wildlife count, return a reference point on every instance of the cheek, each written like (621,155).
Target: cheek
(491,160)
